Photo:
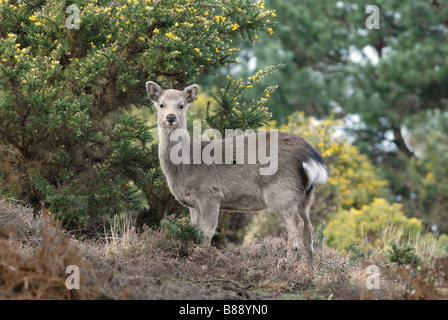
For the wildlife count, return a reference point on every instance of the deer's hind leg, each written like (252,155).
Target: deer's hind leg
(293,209)
(294,225)
(307,236)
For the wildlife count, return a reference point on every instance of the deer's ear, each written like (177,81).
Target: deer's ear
(154,90)
(190,93)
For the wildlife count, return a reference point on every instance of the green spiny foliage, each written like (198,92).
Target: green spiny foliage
(66,127)
(183,229)
(229,113)
(319,236)
(404,255)
(355,252)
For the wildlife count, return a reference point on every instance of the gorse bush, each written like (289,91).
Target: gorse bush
(355,252)
(353,181)
(355,225)
(183,229)
(67,134)
(319,236)
(229,113)
(404,255)
(443,244)
(382,228)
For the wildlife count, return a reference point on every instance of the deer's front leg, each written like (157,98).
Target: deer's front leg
(195,216)
(209,214)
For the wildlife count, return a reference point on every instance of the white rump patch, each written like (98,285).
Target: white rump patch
(316,172)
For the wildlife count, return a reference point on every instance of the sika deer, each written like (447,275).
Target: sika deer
(207,188)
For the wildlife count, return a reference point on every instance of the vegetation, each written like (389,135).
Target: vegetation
(387,85)
(405,255)
(78,141)
(153,265)
(353,226)
(68,137)
(184,230)
(353,180)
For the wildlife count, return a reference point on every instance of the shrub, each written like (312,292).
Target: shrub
(183,229)
(443,244)
(353,181)
(355,252)
(403,255)
(66,130)
(229,113)
(354,226)
(319,236)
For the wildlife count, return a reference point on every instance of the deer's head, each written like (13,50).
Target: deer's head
(171,104)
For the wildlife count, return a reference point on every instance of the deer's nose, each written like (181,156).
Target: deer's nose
(171,118)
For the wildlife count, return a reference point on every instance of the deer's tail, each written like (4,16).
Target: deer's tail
(315,169)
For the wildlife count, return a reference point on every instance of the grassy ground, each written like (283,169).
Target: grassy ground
(151,265)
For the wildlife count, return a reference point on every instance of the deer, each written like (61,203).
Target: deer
(207,188)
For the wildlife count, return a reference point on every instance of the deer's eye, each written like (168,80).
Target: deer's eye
(161,106)
(181,106)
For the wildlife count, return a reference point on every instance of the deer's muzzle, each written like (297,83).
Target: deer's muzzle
(171,119)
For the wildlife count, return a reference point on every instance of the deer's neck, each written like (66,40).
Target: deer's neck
(167,140)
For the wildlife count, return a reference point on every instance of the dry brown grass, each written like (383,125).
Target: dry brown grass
(148,264)
(34,255)
(157,268)
(429,283)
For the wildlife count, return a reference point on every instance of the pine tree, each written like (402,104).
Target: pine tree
(395,78)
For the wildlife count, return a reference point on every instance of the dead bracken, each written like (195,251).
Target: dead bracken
(149,264)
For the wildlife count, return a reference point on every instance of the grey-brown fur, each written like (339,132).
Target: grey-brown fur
(207,189)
